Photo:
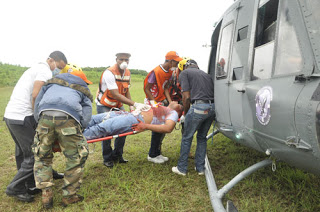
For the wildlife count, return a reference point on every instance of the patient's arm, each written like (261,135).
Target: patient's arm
(167,127)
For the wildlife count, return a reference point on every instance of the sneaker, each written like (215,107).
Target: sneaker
(176,170)
(155,159)
(47,198)
(163,158)
(71,199)
(199,173)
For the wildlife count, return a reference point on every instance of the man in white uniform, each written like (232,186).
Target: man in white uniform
(21,123)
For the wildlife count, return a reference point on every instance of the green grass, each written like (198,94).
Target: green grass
(144,186)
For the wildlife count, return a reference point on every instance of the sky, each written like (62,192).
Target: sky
(90,33)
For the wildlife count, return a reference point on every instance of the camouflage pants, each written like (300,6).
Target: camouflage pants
(73,145)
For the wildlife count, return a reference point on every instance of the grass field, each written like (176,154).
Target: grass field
(144,186)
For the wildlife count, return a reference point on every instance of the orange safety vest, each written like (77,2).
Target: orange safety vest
(123,87)
(162,77)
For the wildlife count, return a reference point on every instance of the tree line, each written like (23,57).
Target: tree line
(10,74)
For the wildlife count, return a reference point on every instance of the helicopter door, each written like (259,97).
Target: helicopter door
(239,63)
(272,93)
(222,70)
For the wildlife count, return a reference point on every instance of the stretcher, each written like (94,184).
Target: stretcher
(111,137)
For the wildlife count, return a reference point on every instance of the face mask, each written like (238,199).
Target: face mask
(123,65)
(55,72)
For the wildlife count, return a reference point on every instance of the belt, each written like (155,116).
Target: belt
(202,101)
(55,117)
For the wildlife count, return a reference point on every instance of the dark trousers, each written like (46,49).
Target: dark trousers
(22,133)
(108,153)
(156,142)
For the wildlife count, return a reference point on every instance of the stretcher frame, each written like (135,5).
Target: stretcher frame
(111,137)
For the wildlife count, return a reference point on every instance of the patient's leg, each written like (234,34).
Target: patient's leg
(116,124)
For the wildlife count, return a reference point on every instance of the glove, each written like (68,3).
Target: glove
(141,107)
(182,118)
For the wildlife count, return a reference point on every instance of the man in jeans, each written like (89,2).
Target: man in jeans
(197,88)
(159,119)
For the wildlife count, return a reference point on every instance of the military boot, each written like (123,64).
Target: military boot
(47,198)
(71,199)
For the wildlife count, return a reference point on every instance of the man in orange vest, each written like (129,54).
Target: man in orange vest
(156,89)
(113,93)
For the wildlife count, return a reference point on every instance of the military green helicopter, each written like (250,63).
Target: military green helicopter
(265,63)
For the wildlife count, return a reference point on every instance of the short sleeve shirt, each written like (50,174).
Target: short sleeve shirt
(152,78)
(20,103)
(199,83)
(170,115)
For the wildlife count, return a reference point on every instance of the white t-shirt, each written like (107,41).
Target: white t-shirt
(108,82)
(20,104)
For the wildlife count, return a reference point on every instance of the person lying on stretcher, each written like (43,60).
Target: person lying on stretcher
(159,119)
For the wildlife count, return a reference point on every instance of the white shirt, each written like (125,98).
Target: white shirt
(20,104)
(108,82)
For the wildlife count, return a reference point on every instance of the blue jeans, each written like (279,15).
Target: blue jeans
(107,153)
(110,123)
(199,118)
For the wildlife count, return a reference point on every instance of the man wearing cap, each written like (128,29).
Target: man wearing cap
(21,123)
(63,109)
(197,89)
(112,94)
(156,90)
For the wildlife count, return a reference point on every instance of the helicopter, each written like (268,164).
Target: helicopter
(265,63)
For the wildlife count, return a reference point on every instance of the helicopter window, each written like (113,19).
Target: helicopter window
(263,58)
(222,64)
(266,22)
(289,58)
(265,35)
(242,33)
(237,73)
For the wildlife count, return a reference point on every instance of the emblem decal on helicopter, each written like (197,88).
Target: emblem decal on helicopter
(263,100)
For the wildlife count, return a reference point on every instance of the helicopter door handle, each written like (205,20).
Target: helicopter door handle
(242,91)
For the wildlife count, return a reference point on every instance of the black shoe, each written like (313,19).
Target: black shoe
(34,191)
(22,197)
(56,175)
(108,164)
(122,160)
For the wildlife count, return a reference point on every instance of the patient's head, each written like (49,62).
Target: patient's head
(175,106)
